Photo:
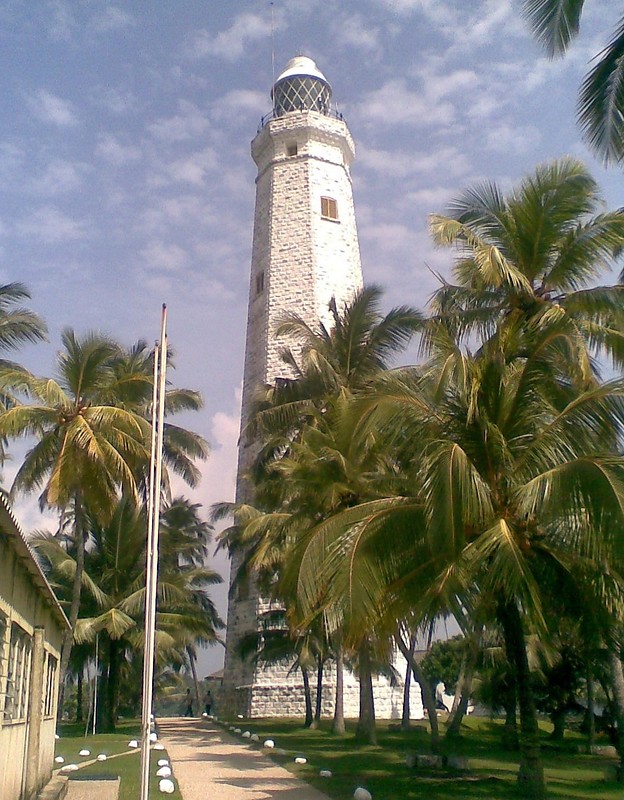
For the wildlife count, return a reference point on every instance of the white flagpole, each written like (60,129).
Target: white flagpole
(151,577)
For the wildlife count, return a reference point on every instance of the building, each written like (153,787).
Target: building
(32,625)
(305,252)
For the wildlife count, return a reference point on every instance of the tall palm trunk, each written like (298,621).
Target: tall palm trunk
(406,713)
(74,609)
(111,697)
(531,773)
(425,688)
(190,651)
(464,685)
(366,731)
(308,698)
(79,700)
(338,725)
(318,700)
(591,719)
(617,684)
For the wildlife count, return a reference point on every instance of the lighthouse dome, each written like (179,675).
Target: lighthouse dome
(301,87)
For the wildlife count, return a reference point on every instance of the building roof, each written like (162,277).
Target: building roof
(10,530)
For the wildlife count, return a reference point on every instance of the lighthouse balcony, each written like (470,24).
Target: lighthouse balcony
(275,114)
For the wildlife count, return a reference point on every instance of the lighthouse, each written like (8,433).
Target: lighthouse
(305,252)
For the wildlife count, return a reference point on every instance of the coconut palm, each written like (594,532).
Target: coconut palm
(113,598)
(85,448)
(555,24)
(515,488)
(18,325)
(533,256)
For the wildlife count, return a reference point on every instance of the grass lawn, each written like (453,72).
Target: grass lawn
(382,769)
(126,766)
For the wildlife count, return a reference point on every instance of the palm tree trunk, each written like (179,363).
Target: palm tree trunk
(617,684)
(531,773)
(112,687)
(366,731)
(405,716)
(79,697)
(425,688)
(308,697)
(338,725)
(462,693)
(591,719)
(319,694)
(190,651)
(68,636)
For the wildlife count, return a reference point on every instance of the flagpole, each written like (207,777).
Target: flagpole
(151,576)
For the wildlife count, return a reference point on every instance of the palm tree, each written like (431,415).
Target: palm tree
(18,325)
(113,600)
(555,24)
(85,448)
(530,256)
(515,488)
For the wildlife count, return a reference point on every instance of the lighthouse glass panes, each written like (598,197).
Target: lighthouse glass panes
(301,93)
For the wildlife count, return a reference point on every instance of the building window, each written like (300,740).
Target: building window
(291,149)
(18,669)
(329,208)
(50,682)
(260,282)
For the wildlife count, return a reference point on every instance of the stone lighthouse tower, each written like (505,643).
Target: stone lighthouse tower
(305,251)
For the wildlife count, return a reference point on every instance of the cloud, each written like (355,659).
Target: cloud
(239,100)
(61,22)
(393,163)
(230,44)
(111,18)
(191,169)
(114,152)
(395,104)
(52,226)
(356,32)
(161,256)
(52,109)
(59,177)
(507,138)
(188,123)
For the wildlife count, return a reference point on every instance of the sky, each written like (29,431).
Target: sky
(126,179)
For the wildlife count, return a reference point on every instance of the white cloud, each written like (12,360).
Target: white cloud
(191,169)
(161,256)
(395,104)
(394,163)
(50,108)
(111,18)
(51,225)
(61,22)
(110,149)
(507,138)
(59,177)
(355,31)
(188,123)
(232,103)
(230,44)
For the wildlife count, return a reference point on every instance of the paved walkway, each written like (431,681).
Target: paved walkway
(208,762)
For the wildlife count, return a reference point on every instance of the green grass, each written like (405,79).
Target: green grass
(382,770)
(126,766)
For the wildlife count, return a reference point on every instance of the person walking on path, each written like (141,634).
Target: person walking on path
(208,702)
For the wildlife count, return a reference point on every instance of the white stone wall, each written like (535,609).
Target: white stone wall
(305,260)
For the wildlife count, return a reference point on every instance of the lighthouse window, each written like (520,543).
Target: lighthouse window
(291,149)
(329,208)
(260,283)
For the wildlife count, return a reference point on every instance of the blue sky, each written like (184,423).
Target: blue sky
(126,179)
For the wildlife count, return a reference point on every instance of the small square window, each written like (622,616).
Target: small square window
(260,282)
(291,149)
(329,208)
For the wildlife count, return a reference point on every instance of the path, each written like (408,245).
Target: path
(208,762)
